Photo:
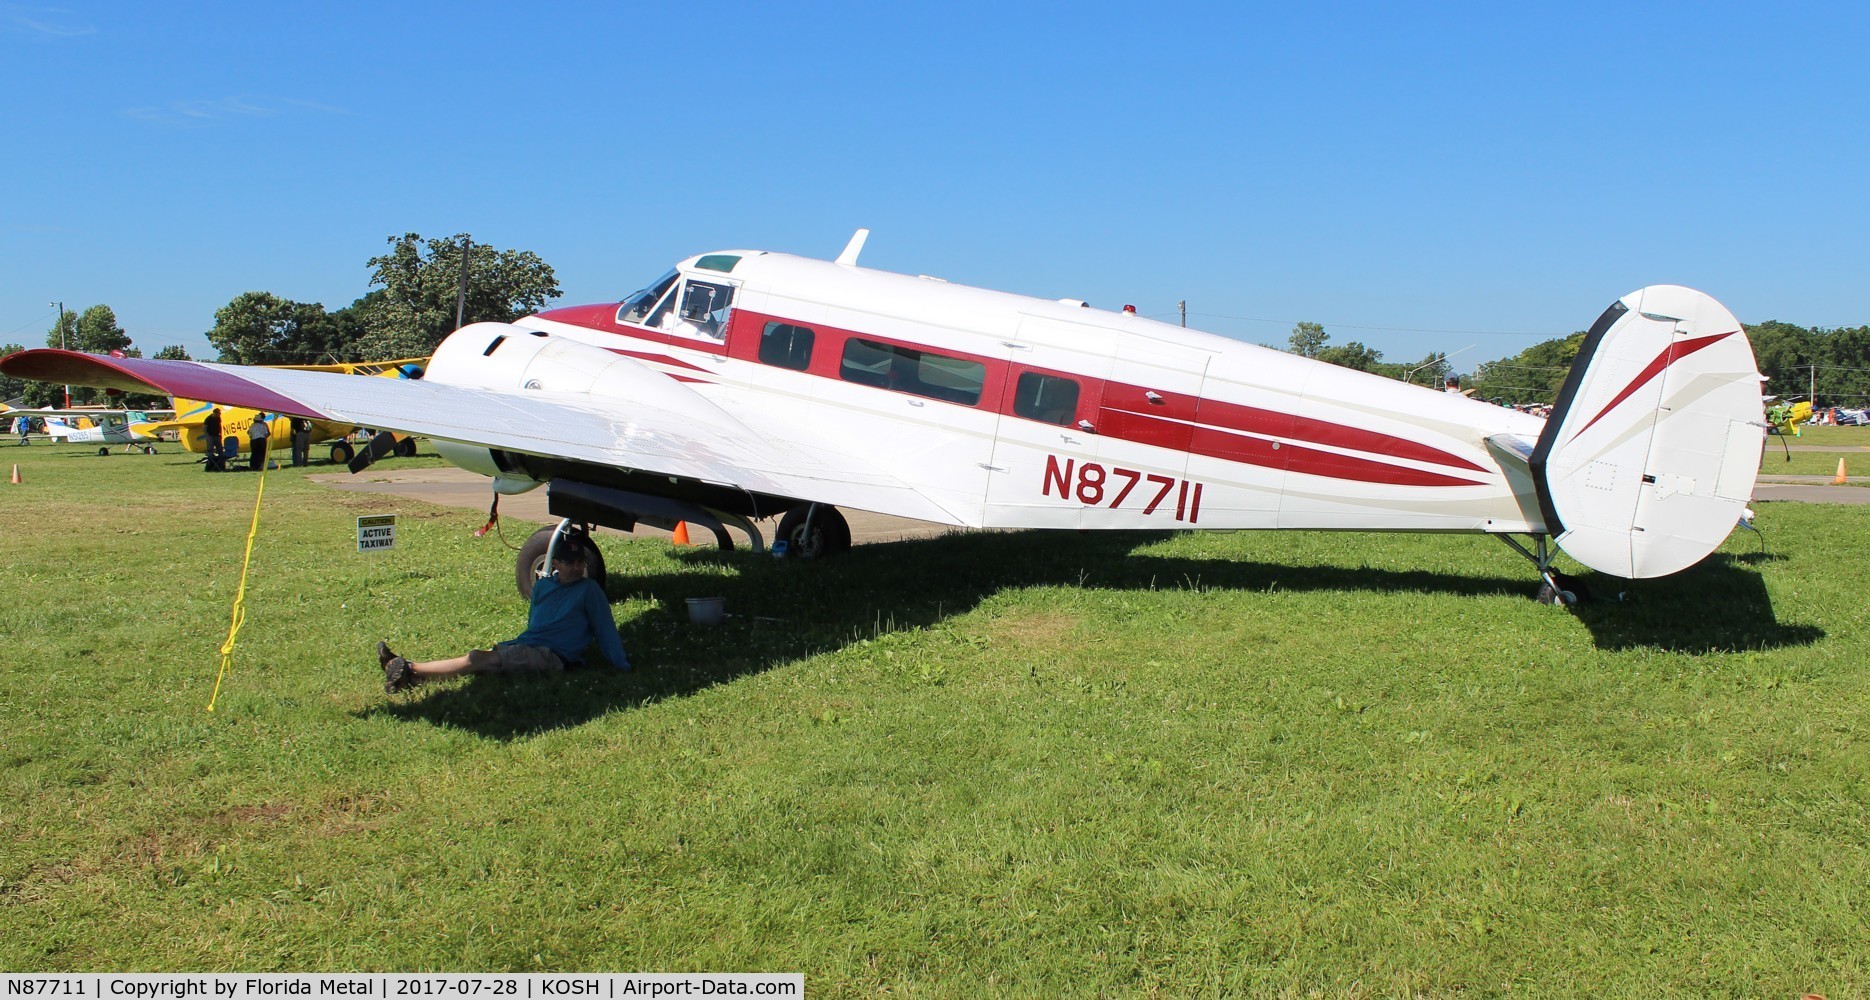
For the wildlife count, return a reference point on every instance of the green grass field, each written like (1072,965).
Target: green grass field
(1251,763)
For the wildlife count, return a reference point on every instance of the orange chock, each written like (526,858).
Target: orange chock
(1839,480)
(681,533)
(16,473)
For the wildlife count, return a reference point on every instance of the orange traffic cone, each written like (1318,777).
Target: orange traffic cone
(681,533)
(1840,480)
(16,473)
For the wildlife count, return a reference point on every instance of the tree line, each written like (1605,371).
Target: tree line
(1309,340)
(1798,361)
(415,290)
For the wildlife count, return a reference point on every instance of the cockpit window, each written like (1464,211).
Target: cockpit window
(636,308)
(703,310)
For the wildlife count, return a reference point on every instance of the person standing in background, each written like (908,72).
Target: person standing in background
(257,433)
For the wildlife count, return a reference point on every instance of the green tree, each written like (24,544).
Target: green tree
(260,328)
(1534,375)
(98,333)
(1352,355)
(11,388)
(421,279)
(173,352)
(94,331)
(1308,339)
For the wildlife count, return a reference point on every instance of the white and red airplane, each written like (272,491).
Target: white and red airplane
(744,384)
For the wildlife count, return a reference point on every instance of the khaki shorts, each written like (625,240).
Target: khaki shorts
(511,657)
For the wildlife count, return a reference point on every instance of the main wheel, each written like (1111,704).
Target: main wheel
(103,451)
(814,531)
(406,448)
(341,453)
(530,565)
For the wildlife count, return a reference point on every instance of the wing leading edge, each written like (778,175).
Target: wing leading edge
(666,428)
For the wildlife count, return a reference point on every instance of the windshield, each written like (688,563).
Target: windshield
(637,306)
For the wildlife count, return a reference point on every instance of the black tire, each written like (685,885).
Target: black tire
(103,451)
(406,448)
(1569,593)
(531,561)
(828,534)
(341,453)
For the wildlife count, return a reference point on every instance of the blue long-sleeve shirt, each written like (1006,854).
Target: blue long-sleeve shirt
(567,620)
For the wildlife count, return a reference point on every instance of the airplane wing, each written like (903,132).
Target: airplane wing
(646,422)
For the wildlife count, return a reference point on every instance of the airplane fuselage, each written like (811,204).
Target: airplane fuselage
(1010,411)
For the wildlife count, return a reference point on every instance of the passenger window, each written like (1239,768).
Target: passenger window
(635,309)
(866,363)
(783,345)
(905,369)
(1049,398)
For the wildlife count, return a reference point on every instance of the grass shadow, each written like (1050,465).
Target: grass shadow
(783,611)
(1720,605)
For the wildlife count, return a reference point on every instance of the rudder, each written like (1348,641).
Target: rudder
(1649,457)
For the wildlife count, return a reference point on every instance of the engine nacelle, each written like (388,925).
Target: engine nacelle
(506,357)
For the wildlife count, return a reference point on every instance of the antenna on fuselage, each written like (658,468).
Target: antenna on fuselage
(853,248)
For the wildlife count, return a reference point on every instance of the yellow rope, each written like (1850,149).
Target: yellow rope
(240,595)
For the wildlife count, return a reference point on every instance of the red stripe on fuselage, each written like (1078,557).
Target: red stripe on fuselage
(1268,453)
(1228,431)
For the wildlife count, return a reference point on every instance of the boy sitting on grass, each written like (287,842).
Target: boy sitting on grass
(568,614)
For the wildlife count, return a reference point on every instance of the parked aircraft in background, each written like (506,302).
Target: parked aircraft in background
(132,429)
(745,383)
(191,413)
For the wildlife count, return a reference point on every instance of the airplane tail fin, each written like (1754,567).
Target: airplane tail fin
(1649,457)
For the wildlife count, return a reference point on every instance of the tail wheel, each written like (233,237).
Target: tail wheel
(1569,592)
(103,451)
(530,565)
(813,531)
(341,453)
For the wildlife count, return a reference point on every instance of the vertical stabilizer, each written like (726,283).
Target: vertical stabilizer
(1649,457)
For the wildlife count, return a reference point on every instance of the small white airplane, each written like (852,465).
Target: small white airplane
(108,427)
(744,383)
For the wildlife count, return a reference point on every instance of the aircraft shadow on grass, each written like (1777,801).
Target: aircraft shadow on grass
(784,611)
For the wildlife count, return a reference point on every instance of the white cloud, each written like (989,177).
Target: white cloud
(53,21)
(205,112)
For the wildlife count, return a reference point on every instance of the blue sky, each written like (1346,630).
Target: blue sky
(1419,178)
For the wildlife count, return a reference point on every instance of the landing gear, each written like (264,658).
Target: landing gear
(1562,591)
(531,565)
(1555,588)
(406,448)
(813,530)
(103,451)
(342,453)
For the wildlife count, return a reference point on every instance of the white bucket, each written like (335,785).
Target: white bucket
(707,610)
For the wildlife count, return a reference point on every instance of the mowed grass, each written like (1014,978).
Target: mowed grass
(1852,444)
(1021,763)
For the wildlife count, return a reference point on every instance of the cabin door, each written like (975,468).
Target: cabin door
(1048,409)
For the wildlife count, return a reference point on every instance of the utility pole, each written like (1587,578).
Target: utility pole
(1182,307)
(61,343)
(461,296)
(1813,394)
